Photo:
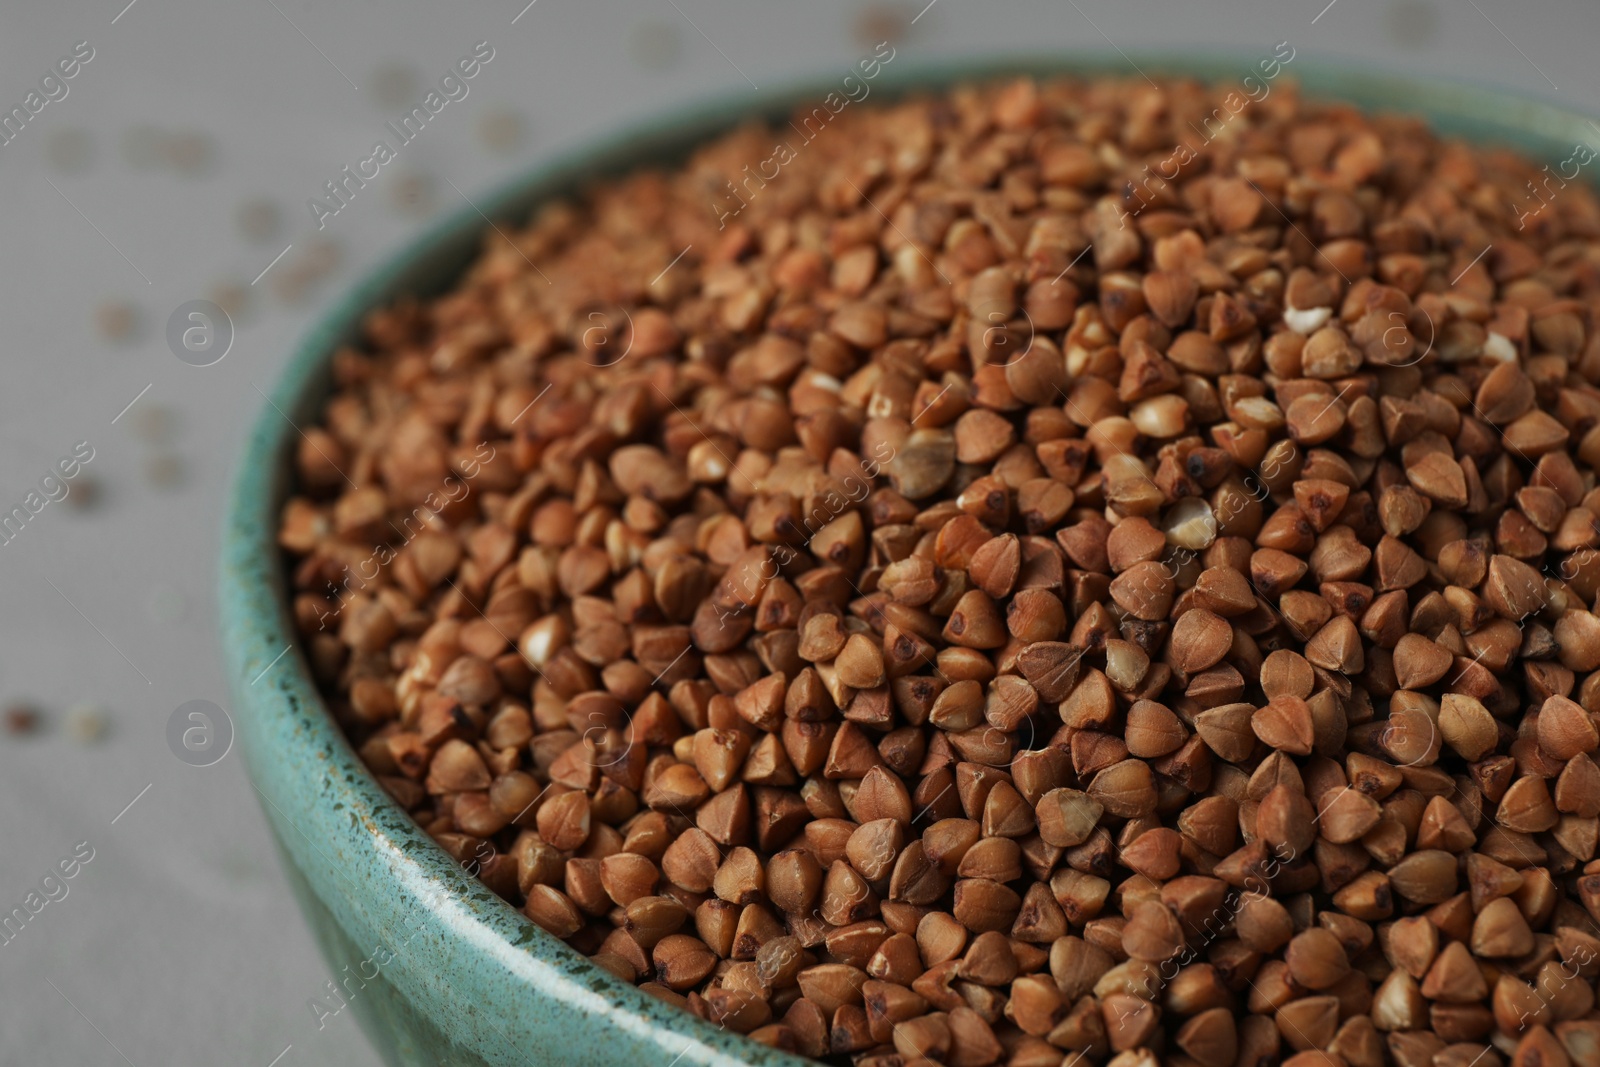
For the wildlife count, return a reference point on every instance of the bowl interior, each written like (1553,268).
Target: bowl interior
(471,966)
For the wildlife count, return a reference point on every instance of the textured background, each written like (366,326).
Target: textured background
(177,167)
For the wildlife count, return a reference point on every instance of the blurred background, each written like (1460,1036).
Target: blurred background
(174,165)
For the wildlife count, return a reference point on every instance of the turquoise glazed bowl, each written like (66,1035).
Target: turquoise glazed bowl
(462,978)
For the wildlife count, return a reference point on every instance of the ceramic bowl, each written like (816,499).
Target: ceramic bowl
(459,977)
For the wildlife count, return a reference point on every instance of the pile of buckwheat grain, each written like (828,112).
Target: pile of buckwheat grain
(988,604)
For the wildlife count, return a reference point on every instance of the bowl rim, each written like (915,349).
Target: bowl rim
(288,736)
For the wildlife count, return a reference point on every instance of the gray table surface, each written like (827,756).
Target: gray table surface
(178,943)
